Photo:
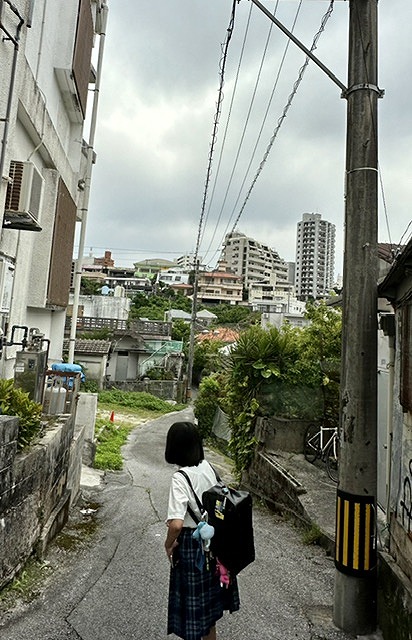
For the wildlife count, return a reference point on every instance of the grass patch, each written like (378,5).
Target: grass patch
(109,441)
(312,535)
(135,400)
(131,406)
(26,585)
(144,414)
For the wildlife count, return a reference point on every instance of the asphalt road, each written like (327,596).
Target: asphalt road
(116,587)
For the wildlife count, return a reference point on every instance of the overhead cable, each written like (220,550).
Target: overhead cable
(285,110)
(228,121)
(282,62)
(245,126)
(225,48)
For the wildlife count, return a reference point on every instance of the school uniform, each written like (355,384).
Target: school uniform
(196,598)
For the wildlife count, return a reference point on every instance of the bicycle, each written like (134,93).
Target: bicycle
(315,447)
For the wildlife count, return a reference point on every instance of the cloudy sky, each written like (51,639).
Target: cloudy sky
(156,113)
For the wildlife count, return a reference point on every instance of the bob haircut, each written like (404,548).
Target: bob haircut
(184,445)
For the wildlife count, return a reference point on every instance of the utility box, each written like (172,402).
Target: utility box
(29,373)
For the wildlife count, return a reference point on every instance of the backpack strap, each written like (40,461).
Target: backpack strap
(199,504)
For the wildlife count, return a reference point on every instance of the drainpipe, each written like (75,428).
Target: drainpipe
(86,194)
(15,40)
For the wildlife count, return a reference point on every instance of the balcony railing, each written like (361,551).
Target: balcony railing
(144,327)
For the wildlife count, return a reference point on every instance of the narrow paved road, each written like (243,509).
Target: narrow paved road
(116,588)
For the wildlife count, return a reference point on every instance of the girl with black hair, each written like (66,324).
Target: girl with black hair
(196,598)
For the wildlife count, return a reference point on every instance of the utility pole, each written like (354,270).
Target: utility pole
(355,557)
(355,549)
(192,332)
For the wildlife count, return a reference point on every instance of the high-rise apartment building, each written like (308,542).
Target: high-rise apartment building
(253,261)
(315,257)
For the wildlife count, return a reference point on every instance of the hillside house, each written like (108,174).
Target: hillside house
(219,287)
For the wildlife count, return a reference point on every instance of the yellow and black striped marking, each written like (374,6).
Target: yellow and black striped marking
(355,547)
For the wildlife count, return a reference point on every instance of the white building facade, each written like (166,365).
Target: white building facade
(252,260)
(315,257)
(46,51)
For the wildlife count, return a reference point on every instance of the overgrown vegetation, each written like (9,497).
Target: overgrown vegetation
(90,286)
(154,307)
(235,315)
(206,402)
(110,439)
(111,436)
(206,359)
(136,401)
(289,372)
(16,402)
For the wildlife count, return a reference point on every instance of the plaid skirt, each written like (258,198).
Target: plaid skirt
(196,599)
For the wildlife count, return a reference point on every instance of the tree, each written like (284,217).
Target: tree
(90,287)
(234,314)
(155,306)
(206,359)
(289,372)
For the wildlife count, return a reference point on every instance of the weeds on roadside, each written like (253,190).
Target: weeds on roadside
(312,535)
(110,439)
(26,585)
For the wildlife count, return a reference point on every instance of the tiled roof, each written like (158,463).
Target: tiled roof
(92,347)
(221,334)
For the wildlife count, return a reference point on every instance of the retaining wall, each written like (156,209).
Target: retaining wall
(164,389)
(37,488)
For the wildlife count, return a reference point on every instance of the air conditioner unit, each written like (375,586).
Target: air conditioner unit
(24,197)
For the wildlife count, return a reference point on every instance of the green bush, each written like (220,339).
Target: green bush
(206,404)
(136,400)
(16,402)
(90,386)
(159,373)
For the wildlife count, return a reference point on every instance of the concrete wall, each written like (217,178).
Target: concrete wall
(37,487)
(104,306)
(85,424)
(281,434)
(165,389)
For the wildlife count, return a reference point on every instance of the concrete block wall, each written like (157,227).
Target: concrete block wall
(281,434)
(35,490)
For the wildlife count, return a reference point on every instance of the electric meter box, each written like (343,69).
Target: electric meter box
(29,372)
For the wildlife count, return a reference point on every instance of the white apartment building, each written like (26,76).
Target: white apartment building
(315,257)
(187,261)
(252,260)
(45,165)
(274,297)
(174,275)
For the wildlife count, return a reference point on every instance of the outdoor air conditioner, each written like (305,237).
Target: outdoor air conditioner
(23,197)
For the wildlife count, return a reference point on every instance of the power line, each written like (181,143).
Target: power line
(281,65)
(225,48)
(286,109)
(242,137)
(227,126)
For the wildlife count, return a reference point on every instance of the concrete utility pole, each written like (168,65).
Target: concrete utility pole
(356,576)
(192,333)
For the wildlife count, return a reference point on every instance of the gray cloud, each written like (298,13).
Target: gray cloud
(159,90)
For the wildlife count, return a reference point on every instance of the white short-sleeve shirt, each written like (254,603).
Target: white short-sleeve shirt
(181,496)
